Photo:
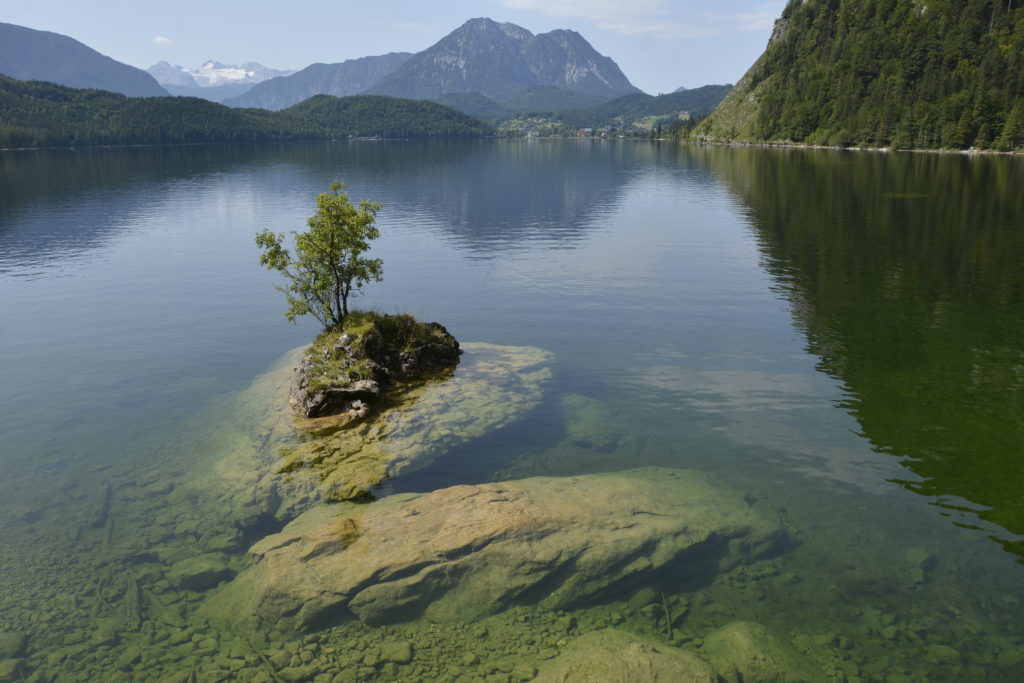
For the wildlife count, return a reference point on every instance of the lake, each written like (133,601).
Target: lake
(836,337)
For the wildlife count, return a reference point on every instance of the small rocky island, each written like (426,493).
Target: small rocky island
(379,397)
(366,364)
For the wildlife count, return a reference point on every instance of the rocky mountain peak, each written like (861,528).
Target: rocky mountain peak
(501,60)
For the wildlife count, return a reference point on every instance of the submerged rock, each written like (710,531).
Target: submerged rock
(12,670)
(747,652)
(613,655)
(12,644)
(494,386)
(202,572)
(466,551)
(250,487)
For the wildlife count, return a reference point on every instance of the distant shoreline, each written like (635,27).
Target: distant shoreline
(796,145)
(709,143)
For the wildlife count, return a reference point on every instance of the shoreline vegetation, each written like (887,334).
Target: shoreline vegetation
(836,148)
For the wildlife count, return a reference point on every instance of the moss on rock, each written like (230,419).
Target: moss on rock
(345,370)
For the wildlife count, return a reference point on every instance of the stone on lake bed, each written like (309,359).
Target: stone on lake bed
(399,652)
(12,644)
(465,551)
(747,652)
(613,655)
(12,670)
(202,572)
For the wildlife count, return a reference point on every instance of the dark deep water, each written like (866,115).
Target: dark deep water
(839,336)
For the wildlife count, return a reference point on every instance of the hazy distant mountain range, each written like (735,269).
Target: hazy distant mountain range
(350,77)
(27,54)
(213,73)
(213,80)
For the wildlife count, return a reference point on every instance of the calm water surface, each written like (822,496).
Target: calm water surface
(838,336)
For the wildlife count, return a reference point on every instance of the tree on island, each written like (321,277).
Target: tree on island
(328,266)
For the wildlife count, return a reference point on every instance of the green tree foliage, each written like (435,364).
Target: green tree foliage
(628,108)
(35,114)
(905,73)
(329,264)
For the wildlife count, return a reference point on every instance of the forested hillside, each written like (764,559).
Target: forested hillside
(905,73)
(376,115)
(697,102)
(34,114)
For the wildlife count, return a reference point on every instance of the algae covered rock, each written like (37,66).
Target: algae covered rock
(493,386)
(614,655)
(345,369)
(747,652)
(12,670)
(466,551)
(12,644)
(202,572)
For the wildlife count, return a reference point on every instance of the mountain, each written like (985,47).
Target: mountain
(213,73)
(350,77)
(536,98)
(552,98)
(34,114)
(898,73)
(213,80)
(214,93)
(165,75)
(476,105)
(500,61)
(27,54)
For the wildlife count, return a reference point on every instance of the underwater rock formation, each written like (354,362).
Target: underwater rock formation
(747,652)
(465,551)
(614,655)
(494,386)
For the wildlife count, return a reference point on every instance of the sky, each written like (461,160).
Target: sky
(659,44)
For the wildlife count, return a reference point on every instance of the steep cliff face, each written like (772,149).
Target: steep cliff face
(500,61)
(903,73)
(565,59)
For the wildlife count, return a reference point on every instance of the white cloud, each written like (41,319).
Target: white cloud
(659,19)
(162,41)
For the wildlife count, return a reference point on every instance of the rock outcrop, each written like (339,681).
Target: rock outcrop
(465,551)
(494,386)
(614,655)
(342,372)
